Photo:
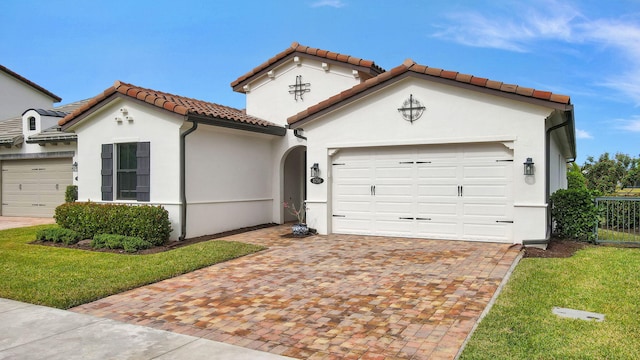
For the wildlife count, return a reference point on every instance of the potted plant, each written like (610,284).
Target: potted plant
(300,228)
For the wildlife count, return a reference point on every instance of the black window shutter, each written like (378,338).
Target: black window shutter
(107,172)
(143,171)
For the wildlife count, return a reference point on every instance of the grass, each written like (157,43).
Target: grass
(64,278)
(598,279)
(630,236)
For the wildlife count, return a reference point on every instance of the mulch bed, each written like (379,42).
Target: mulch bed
(557,248)
(86,244)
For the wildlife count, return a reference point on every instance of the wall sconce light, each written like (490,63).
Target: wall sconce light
(74,167)
(315,170)
(315,174)
(528,166)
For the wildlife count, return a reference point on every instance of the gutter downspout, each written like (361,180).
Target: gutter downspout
(547,182)
(296,133)
(183,189)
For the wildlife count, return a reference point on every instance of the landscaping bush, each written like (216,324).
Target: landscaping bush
(128,243)
(575,178)
(574,214)
(150,223)
(71,194)
(59,235)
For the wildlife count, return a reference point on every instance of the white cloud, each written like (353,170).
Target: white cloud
(330,3)
(632,124)
(583,134)
(509,32)
(522,27)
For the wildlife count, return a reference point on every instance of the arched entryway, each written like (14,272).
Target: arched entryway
(294,175)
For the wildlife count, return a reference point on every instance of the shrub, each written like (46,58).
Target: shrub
(57,235)
(71,194)
(574,213)
(575,178)
(128,243)
(150,223)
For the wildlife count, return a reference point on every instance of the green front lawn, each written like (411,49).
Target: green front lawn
(64,278)
(599,279)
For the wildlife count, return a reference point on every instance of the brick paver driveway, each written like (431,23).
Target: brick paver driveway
(337,296)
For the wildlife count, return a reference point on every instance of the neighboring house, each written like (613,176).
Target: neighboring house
(18,93)
(415,151)
(35,157)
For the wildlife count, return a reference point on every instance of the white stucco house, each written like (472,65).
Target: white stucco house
(414,151)
(35,156)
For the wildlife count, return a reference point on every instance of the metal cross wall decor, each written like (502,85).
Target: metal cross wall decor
(411,109)
(299,88)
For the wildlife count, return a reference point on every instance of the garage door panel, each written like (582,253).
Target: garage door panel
(397,227)
(435,173)
(436,208)
(438,229)
(485,172)
(500,192)
(491,211)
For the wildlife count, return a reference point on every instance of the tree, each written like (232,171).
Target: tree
(607,173)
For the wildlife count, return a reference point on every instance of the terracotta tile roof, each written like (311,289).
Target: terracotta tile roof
(177,104)
(296,48)
(455,77)
(11,73)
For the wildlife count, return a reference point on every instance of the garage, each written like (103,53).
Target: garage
(34,187)
(457,191)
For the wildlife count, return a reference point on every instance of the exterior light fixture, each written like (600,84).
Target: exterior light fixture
(528,166)
(74,167)
(315,174)
(315,170)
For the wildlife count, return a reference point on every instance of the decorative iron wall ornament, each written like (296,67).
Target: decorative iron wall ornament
(299,88)
(411,109)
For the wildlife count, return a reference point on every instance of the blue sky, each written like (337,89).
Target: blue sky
(589,50)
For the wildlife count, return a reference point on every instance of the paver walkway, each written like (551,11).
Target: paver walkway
(328,297)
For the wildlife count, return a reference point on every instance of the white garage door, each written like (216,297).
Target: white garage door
(441,192)
(34,187)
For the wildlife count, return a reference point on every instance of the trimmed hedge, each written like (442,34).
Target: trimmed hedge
(574,213)
(58,235)
(150,223)
(128,243)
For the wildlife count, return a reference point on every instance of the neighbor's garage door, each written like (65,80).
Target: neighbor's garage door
(34,187)
(441,192)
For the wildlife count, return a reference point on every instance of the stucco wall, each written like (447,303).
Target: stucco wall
(229,180)
(452,115)
(15,97)
(269,98)
(158,127)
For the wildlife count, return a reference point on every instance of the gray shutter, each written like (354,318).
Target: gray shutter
(107,172)
(143,172)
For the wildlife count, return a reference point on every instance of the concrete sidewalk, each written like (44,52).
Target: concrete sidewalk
(37,332)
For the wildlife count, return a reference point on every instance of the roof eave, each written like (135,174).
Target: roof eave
(437,79)
(31,84)
(237,125)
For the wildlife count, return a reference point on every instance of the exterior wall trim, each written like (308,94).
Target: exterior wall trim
(44,155)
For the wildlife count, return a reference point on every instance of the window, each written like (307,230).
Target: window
(132,176)
(126,171)
(32,123)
